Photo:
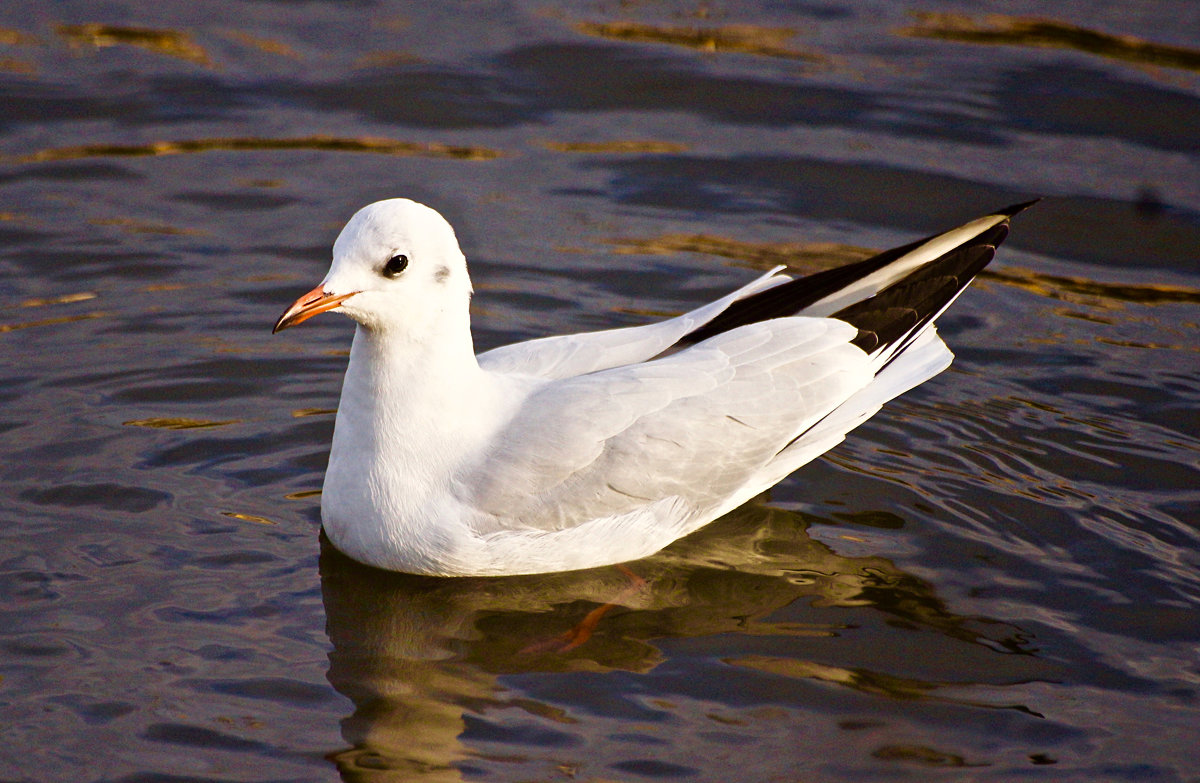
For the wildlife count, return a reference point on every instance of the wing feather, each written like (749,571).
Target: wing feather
(564,356)
(696,425)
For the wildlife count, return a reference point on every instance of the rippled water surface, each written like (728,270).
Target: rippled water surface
(997,578)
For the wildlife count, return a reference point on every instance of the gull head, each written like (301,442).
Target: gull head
(396,266)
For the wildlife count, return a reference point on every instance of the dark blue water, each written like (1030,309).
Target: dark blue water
(997,578)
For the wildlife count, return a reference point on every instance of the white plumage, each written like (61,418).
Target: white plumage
(584,450)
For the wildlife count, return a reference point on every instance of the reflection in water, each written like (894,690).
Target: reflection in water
(248,518)
(268,45)
(1028,31)
(10,37)
(81,296)
(168,42)
(619,147)
(177,423)
(416,653)
(145,227)
(1084,291)
(747,39)
(808,256)
(253,143)
(65,319)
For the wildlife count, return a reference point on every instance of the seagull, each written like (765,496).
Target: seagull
(599,448)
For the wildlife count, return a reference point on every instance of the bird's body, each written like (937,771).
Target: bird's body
(584,450)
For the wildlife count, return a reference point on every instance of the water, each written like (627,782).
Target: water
(996,579)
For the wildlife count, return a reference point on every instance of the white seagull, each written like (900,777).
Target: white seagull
(590,449)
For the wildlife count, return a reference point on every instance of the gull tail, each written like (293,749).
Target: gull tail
(892,299)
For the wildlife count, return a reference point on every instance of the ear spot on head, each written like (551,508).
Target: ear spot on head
(441,274)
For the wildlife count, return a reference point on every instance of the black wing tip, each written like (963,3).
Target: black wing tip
(1016,209)
(795,295)
(899,312)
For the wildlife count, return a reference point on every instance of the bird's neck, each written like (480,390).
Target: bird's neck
(410,385)
(411,415)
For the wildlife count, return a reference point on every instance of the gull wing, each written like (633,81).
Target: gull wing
(564,356)
(694,427)
(838,292)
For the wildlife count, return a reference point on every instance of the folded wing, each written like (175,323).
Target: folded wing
(697,425)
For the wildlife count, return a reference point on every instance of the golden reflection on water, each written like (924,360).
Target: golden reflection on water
(616,147)
(169,42)
(1080,290)
(859,680)
(1037,31)
(143,227)
(171,423)
(746,39)
(923,755)
(10,37)
(300,413)
(13,65)
(65,319)
(81,296)
(248,518)
(414,654)
(377,146)
(386,59)
(760,255)
(268,45)
(49,301)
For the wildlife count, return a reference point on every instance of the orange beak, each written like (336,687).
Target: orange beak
(314,302)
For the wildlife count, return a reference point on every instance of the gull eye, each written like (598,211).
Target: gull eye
(395,265)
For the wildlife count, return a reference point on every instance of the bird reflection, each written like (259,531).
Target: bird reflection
(415,653)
